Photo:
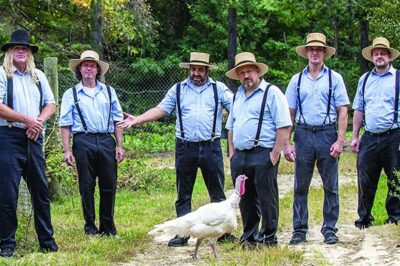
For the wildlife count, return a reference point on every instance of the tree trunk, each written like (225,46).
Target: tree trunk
(364,43)
(52,136)
(97,27)
(232,43)
(334,24)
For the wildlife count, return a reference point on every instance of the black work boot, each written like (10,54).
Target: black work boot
(7,252)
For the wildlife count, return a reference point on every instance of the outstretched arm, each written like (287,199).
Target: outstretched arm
(151,115)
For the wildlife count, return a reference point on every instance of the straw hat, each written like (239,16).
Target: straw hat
(379,42)
(198,59)
(20,37)
(89,55)
(318,40)
(243,59)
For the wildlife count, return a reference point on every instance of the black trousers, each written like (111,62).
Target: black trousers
(21,157)
(260,200)
(189,156)
(378,152)
(95,157)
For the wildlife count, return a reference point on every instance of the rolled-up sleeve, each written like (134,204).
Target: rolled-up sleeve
(66,110)
(169,102)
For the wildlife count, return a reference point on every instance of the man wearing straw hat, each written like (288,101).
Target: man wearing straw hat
(198,102)
(89,112)
(318,101)
(376,105)
(259,124)
(26,103)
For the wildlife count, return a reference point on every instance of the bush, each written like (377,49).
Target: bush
(135,175)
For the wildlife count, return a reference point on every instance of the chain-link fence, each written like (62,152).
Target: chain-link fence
(139,86)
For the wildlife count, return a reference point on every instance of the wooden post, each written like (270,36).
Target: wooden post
(52,134)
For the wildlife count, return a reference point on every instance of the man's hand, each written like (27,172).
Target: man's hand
(336,148)
(33,124)
(32,135)
(119,154)
(290,154)
(36,126)
(355,144)
(274,155)
(129,121)
(69,158)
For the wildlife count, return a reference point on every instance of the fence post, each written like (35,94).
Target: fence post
(52,134)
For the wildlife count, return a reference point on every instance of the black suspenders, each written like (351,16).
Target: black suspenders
(10,96)
(396,98)
(178,102)
(298,98)
(76,103)
(329,98)
(363,95)
(261,117)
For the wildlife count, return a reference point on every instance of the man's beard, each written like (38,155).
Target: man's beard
(382,66)
(248,83)
(199,82)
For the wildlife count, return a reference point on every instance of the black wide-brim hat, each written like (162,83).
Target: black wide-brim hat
(20,37)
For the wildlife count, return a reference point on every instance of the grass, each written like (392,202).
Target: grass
(137,211)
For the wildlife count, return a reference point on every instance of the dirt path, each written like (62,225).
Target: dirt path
(374,246)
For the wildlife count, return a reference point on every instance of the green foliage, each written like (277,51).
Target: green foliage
(57,171)
(148,81)
(150,138)
(135,174)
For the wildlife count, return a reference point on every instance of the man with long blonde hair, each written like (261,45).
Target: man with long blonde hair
(26,102)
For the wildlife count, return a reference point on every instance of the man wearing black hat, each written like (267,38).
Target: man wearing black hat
(26,103)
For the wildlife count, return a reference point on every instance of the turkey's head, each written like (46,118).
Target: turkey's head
(240,185)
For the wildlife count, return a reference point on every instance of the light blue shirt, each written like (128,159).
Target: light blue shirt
(95,110)
(314,97)
(197,106)
(245,112)
(26,94)
(379,100)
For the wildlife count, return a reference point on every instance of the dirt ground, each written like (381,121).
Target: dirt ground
(377,245)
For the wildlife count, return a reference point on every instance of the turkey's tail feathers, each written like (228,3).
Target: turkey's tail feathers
(179,226)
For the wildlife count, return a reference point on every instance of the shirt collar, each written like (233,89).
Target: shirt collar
(391,70)
(99,86)
(262,86)
(16,71)
(189,83)
(324,69)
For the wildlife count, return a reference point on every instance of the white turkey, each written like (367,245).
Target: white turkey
(210,221)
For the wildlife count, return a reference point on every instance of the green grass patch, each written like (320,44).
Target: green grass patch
(146,197)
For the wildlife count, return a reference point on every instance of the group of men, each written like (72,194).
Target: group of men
(259,126)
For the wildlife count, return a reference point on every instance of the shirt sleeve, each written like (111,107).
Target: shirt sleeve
(66,110)
(340,93)
(169,102)
(116,109)
(291,92)
(279,108)
(357,103)
(226,96)
(230,120)
(3,85)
